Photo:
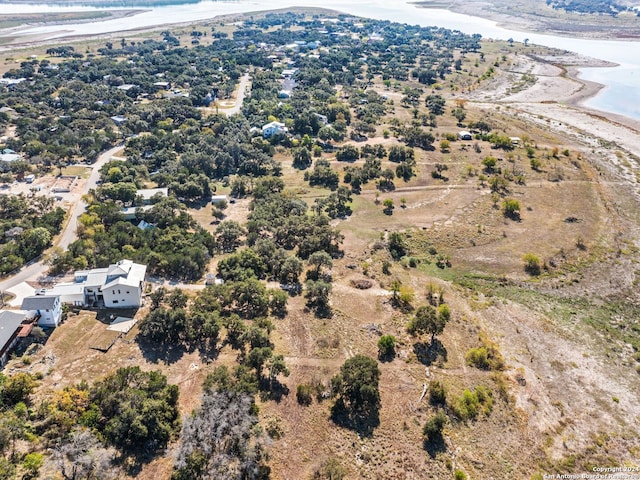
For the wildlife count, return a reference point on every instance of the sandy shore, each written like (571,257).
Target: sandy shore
(540,19)
(13,37)
(556,101)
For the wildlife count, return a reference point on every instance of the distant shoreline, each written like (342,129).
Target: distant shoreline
(536,24)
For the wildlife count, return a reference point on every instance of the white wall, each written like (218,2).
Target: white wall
(117,297)
(51,318)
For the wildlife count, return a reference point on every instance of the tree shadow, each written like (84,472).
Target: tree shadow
(273,390)
(428,354)
(132,463)
(208,352)
(362,422)
(435,446)
(159,353)
(387,357)
(108,315)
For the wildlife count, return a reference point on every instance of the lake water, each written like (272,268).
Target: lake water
(621,95)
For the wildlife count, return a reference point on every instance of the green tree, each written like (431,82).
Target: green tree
(386,346)
(302,158)
(490,164)
(138,411)
(388,206)
(319,260)
(32,463)
(33,242)
(532,264)
(290,270)
(432,429)
(348,153)
(437,393)
(228,236)
(511,208)
(357,387)
(317,294)
(428,320)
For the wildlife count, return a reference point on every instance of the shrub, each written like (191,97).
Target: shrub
(532,264)
(486,357)
(330,470)
(470,404)
(459,475)
(511,208)
(432,429)
(304,394)
(437,393)
(387,346)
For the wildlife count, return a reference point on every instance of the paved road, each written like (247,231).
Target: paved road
(242,89)
(68,235)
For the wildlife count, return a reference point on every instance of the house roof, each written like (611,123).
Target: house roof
(273,125)
(10,322)
(147,193)
(9,157)
(134,276)
(132,210)
(123,267)
(96,278)
(67,289)
(40,302)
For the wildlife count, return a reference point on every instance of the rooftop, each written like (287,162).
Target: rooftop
(10,322)
(39,302)
(148,193)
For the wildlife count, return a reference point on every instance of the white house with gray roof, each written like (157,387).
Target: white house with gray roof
(120,285)
(47,307)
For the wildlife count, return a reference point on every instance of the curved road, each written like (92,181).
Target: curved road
(68,234)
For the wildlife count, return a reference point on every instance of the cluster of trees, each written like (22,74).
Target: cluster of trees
(130,411)
(598,7)
(27,225)
(218,440)
(177,246)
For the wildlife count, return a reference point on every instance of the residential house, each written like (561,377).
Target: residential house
(148,194)
(10,327)
(130,213)
(273,128)
(217,199)
(124,285)
(127,86)
(118,119)
(7,157)
(120,285)
(47,307)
